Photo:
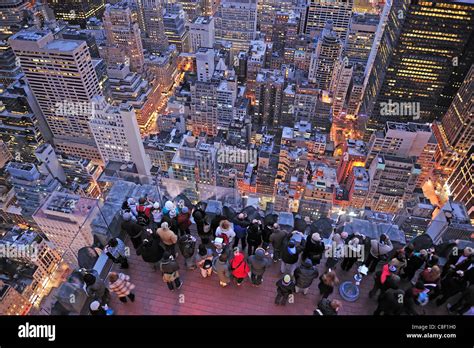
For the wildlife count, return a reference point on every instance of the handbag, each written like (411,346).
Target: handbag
(169,277)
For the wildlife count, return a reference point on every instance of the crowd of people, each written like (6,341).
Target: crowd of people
(240,248)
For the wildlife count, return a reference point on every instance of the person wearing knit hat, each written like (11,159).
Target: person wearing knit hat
(352,253)
(97,309)
(304,276)
(285,288)
(133,229)
(156,216)
(314,249)
(258,264)
(184,221)
(290,254)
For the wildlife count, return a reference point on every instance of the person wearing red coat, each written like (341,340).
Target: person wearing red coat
(184,221)
(239,268)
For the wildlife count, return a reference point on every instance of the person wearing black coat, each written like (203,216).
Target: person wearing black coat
(465,302)
(254,237)
(328,307)
(390,302)
(199,216)
(267,231)
(458,259)
(453,283)
(414,263)
(151,252)
(170,267)
(410,300)
(132,229)
(285,287)
(290,253)
(304,276)
(314,249)
(384,281)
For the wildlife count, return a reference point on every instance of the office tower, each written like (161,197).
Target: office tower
(124,44)
(46,156)
(77,12)
(255,62)
(267,13)
(12,16)
(205,65)
(461,182)
(461,68)
(66,220)
(175,27)
(117,135)
(422,39)
(81,175)
(9,70)
(354,153)
(213,95)
(451,223)
(358,182)
(62,78)
(360,37)
(324,58)
(163,68)
(405,139)
(132,88)
(150,20)
(29,272)
(161,148)
(195,161)
(415,216)
(201,32)
(236,21)
(22,126)
(82,35)
(392,182)
(270,85)
(192,8)
(32,185)
(341,82)
(319,12)
(210,7)
(455,132)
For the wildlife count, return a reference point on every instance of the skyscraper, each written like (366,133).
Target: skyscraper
(124,44)
(461,182)
(117,135)
(455,132)
(423,40)
(77,11)
(202,32)
(150,20)
(392,182)
(319,12)
(324,58)
(63,80)
(236,21)
(175,27)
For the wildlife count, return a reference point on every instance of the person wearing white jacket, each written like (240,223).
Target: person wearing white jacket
(379,250)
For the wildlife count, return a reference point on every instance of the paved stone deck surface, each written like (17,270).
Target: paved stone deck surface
(204,296)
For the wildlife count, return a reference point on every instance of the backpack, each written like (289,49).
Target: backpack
(142,218)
